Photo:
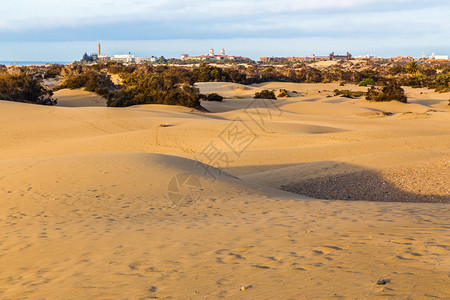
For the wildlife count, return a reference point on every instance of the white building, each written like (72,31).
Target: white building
(126,58)
(140,60)
(103,57)
(434,56)
(211,56)
(371,56)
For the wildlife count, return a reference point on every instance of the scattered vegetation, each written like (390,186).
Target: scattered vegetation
(208,73)
(156,85)
(442,83)
(265,94)
(390,92)
(283,93)
(365,72)
(212,97)
(175,85)
(24,88)
(348,93)
(366,82)
(140,84)
(92,81)
(53,71)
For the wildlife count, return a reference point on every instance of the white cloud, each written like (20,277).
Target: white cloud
(57,13)
(305,25)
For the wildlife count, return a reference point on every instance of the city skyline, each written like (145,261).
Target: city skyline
(49,30)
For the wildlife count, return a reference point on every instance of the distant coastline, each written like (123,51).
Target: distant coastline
(28,63)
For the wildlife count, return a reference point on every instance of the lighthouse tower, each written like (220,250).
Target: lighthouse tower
(99,50)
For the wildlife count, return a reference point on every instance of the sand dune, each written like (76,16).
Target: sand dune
(78,98)
(121,236)
(107,203)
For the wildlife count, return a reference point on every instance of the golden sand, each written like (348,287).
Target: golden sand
(86,213)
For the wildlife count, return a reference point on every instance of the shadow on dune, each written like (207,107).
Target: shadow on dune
(428,102)
(229,104)
(312,99)
(369,185)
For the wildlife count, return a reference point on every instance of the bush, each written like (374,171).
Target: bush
(160,85)
(443,83)
(141,84)
(53,71)
(283,93)
(348,93)
(92,81)
(366,82)
(5,97)
(24,88)
(207,73)
(397,69)
(265,94)
(392,91)
(214,97)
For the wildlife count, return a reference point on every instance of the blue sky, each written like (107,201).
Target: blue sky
(64,30)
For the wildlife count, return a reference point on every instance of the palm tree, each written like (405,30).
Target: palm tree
(412,67)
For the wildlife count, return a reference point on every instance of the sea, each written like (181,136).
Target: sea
(26,63)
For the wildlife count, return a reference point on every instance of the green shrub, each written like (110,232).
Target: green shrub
(265,94)
(443,83)
(214,97)
(160,85)
(140,85)
(207,73)
(92,81)
(392,91)
(366,82)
